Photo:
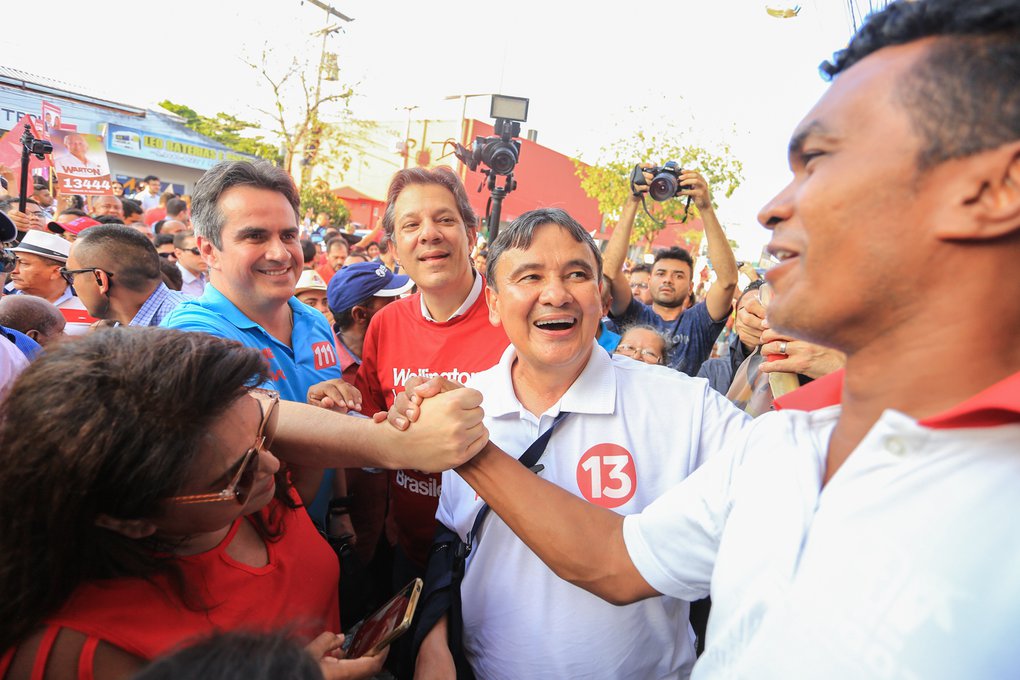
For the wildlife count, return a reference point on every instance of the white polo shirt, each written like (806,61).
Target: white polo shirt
(634,431)
(905,566)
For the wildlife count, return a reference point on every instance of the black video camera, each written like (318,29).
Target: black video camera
(500,152)
(664,185)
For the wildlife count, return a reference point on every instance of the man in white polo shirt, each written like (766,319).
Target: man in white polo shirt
(520,619)
(40,257)
(876,538)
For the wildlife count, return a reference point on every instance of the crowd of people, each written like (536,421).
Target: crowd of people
(232,432)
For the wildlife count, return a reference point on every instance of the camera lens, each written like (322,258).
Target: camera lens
(501,157)
(663,187)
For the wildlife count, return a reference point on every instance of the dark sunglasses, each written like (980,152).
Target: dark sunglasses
(69,274)
(165,256)
(193,251)
(240,486)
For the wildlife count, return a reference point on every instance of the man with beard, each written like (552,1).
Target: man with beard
(692,331)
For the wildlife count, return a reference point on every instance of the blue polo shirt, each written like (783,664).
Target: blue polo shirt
(692,335)
(312,359)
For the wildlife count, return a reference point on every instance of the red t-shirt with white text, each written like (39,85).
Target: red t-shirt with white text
(400,342)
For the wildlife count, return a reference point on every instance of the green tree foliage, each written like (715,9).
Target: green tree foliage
(608,182)
(316,196)
(226,129)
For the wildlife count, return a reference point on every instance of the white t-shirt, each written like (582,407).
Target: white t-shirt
(905,566)
(634,430)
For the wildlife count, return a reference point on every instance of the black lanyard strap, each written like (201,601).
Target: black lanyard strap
(528,459)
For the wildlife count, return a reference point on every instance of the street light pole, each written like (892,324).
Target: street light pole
(407,135)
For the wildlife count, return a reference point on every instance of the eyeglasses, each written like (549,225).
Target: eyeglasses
(165,256)
(240,486)
(69,274)
(193,251)
(642,286)
(639,353)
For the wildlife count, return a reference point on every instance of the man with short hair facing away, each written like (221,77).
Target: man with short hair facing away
(177,210)
(149,195)
(157,213)
(37,318)
(117,274)
(875,538)
(691,332)
(108,205)
(544,290)
(40,257)
(189,261)
(441,330)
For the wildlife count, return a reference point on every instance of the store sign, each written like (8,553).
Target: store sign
(132,142)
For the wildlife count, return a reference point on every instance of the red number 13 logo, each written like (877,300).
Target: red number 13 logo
(606,475)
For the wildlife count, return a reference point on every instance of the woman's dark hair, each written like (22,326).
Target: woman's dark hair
(110,424)
(236,656)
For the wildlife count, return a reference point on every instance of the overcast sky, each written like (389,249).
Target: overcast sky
(594,71)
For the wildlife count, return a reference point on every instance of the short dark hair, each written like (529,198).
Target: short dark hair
(237,656)
(128,254)
(29,312)
(109,219)
(674,253)
(175,206)
(441,176)
(962,95)
(149,178)
(205,210)
(180,237)
(157,226)
(171,273)
(131,207)
(308,250)
(163,239)
(521,232)
(337,240)
(641,268)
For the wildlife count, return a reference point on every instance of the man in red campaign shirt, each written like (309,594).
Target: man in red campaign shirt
(443,329)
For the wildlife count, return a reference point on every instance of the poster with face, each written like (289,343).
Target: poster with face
(81,165)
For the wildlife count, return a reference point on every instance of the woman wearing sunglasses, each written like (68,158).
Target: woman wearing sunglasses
(141,507)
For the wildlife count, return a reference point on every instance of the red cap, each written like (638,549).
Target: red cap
(75,226)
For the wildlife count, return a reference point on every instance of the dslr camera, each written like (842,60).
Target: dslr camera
(501,151)
(665,182)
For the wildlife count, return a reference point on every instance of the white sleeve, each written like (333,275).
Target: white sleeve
(673,542)
(722,424)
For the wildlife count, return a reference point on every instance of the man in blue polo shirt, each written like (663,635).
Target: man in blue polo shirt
(691,330)
(246,223)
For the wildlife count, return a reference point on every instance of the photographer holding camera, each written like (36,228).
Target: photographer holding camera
(694,330)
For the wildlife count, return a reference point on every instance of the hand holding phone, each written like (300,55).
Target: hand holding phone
(371,635)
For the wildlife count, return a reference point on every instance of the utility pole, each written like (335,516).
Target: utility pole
(315,127)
